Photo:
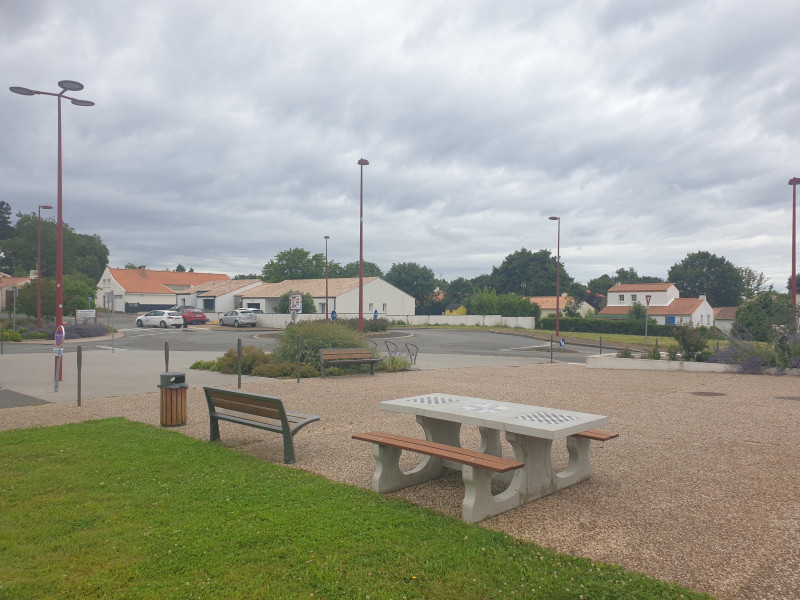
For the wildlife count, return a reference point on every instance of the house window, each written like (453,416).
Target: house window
(322,307)
(622,297)
(633,297)
(370,307)
(384,307)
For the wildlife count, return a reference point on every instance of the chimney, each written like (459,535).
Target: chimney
(702,296)
(143,270)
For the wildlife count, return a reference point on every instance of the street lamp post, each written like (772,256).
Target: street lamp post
(39,265)
(327,237)
(361,163)
(66,86)
(793,182)
(558,272)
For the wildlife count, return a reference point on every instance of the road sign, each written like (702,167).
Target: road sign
(296,302)
(333,315)
(562,342)
(648,300)
(375,314)
(59,336)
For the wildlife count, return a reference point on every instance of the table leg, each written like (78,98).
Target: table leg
(579,467)
(536,479)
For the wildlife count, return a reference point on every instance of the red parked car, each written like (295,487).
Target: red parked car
(194,315)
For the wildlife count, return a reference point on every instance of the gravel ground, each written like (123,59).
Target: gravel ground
(701,488)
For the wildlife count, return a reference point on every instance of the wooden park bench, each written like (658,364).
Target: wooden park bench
(346,356)
(255,410)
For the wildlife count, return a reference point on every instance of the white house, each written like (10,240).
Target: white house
(628,294)
(666,306)
(548,305)
(138,290)
(8,287)
(724,316)
(342,295)
(217,296)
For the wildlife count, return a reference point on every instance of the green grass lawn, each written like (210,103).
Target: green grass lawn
(115,509)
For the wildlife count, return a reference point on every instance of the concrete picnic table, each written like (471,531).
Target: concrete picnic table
(530,430)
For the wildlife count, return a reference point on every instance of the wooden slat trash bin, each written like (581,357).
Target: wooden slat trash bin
(173,399)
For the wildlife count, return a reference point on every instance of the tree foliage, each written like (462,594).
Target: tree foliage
(351,270)
(489,302)
(6,227)
(79,292)
(285,301)
(413,279)
(83,254)
(295,263)
(766,315)
(601,285)
(753,282)
(537,270)
(705,273)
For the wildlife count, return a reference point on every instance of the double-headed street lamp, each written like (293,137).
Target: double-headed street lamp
(793,182)
(558,271)
(361,162)
(66,86)
(327,237)
(39,265)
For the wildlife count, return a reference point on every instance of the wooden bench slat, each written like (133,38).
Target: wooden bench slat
(443,451)
(597,435)
(346,356)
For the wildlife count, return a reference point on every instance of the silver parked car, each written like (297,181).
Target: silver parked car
(238,318)
(160,318)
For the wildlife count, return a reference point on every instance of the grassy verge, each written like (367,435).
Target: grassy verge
(115,509)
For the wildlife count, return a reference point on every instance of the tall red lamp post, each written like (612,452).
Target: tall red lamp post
(793,182)
(558,272)
(66,85)
(39,265)
(361,163)
(327,237)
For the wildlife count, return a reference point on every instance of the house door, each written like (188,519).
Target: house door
(669,320)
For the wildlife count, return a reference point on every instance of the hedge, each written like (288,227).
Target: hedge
(621,326)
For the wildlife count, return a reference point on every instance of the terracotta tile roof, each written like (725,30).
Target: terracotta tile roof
(679,306)
(144,281)
(212,289)
(549,302)
(640,287)
(725,313)
(315,287)
(9,281)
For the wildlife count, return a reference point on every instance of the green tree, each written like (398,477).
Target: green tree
(766,315)
(705,273)
(753,282)
(6,227)
(489,302)
(295,263)
(537,270)
(130,265)
(413,279)
(458,291)
(78,289)
(83,254)
(601,285)
(180,268)
(351,270)
(285,301)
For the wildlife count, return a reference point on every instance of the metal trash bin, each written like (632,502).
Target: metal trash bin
(173,398)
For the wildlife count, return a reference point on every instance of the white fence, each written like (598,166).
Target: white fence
(276,321)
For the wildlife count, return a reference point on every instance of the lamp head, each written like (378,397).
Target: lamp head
(363,161)
(45,206)
(21,90)
(71,86)
(554,218)
(327,237)
(794,181)
(77,102)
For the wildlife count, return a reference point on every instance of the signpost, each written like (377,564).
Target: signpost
(296,305)
(57,351)
(646,317)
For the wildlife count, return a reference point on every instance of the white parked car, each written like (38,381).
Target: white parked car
(160,318)
(238,318)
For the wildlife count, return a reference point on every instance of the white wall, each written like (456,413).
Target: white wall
(281,321)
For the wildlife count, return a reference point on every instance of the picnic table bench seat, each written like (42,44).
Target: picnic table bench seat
(255,410)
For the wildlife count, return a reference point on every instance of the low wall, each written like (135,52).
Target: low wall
(276,321)
(610,361)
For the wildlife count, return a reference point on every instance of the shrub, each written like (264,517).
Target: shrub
(36,335)
(9,335)
(693,341)
(653,354)
(204,365)
(393,364)
(624,353)
(283,369)
(674,352)
(314,336)
(743,354)
(251,356)
(370,325)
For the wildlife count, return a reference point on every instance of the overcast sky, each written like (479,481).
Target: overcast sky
(226,132)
